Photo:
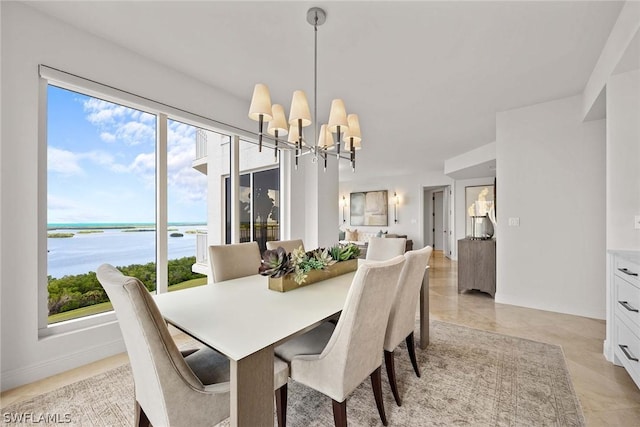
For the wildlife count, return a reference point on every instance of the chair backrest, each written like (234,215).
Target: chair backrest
(163,380)
(233,261)
(354,350)
(287,245)
(402,317)
(383,248)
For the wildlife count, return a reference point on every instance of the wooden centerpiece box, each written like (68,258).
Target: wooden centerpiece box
(286,282)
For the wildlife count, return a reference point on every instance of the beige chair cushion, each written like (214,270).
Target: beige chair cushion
(287,245)
(233,261)
(335,364)
(383,248)
(403,310)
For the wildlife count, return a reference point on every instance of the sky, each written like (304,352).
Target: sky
(101,163)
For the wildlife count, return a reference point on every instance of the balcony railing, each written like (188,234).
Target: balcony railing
(202,247)
(201,143)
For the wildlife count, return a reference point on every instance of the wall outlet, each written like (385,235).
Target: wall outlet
(514,222)
(636,222)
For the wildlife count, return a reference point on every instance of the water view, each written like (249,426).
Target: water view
(95,244)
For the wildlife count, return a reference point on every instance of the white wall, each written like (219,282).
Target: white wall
(410,189)
(551,175)
(623,160)
(28,39)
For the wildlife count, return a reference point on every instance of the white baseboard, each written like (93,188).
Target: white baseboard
(607,350)
(28,374)
(501,298)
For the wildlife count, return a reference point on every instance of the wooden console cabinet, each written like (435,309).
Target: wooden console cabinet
(477,265)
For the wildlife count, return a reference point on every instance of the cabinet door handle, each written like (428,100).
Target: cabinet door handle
(628,272)
(626,352)
(626,305)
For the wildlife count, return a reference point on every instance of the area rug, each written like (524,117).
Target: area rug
(469,378)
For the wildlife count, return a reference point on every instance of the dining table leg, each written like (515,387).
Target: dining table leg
(424,310)
(252,390)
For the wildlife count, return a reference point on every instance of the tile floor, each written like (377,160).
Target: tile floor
(607,394)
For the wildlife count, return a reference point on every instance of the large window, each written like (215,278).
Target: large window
(259,207)
(103,203)
(259,196)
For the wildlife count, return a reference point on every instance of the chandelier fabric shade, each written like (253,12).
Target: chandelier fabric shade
(337,116)
(277,125)
(300,115)
(260,103)
(325,140)
(299,109)
(260,108)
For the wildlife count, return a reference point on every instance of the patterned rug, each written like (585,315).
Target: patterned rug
(469,378)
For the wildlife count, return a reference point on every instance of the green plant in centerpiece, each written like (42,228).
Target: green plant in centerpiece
(303,262)
(275,263)
(344,252)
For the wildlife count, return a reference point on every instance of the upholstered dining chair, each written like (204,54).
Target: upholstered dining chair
(402,317)
(383,248)
(235,260)
(287,245)
(335,359)
(171,388)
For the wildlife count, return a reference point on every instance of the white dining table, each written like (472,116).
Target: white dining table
(244,320)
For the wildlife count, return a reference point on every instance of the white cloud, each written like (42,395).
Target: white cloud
(135,133)
(63,161)
(107,137)
(120,123)
(62,209)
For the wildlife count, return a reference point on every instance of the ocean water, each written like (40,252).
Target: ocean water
(85,252)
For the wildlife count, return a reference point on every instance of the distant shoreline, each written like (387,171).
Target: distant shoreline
(117,226)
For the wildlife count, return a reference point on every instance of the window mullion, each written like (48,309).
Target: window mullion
(234,177)
(162,273)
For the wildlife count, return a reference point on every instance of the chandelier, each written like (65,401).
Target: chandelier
(345,127)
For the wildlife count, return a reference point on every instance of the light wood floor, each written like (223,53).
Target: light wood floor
(606,392)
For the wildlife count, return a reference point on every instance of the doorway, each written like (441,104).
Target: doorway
(438,220)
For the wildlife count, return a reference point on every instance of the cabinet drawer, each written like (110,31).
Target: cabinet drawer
(628,270)
(627,300)
(627,348)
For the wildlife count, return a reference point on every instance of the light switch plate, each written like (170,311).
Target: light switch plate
(514,222)
(637,222)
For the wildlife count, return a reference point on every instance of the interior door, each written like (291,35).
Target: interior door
(438,220)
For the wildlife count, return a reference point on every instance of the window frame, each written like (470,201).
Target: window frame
(51,76)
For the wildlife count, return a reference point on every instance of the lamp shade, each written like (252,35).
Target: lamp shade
(354,127)
(347,144)
(293,135)
(325,140)
(260,103)
(278,122)
(299,109)
(337,116)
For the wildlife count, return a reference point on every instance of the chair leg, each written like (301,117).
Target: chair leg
(376,384)
(391,374)
(141,418)
(411,347)
(340,413)
(281,405)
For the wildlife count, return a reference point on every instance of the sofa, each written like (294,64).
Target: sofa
(361,238)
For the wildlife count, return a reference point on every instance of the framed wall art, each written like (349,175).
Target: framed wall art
(369,208)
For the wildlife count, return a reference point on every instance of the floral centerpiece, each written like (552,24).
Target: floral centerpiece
(289,271)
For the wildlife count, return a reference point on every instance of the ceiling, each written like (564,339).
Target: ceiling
(426,78)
